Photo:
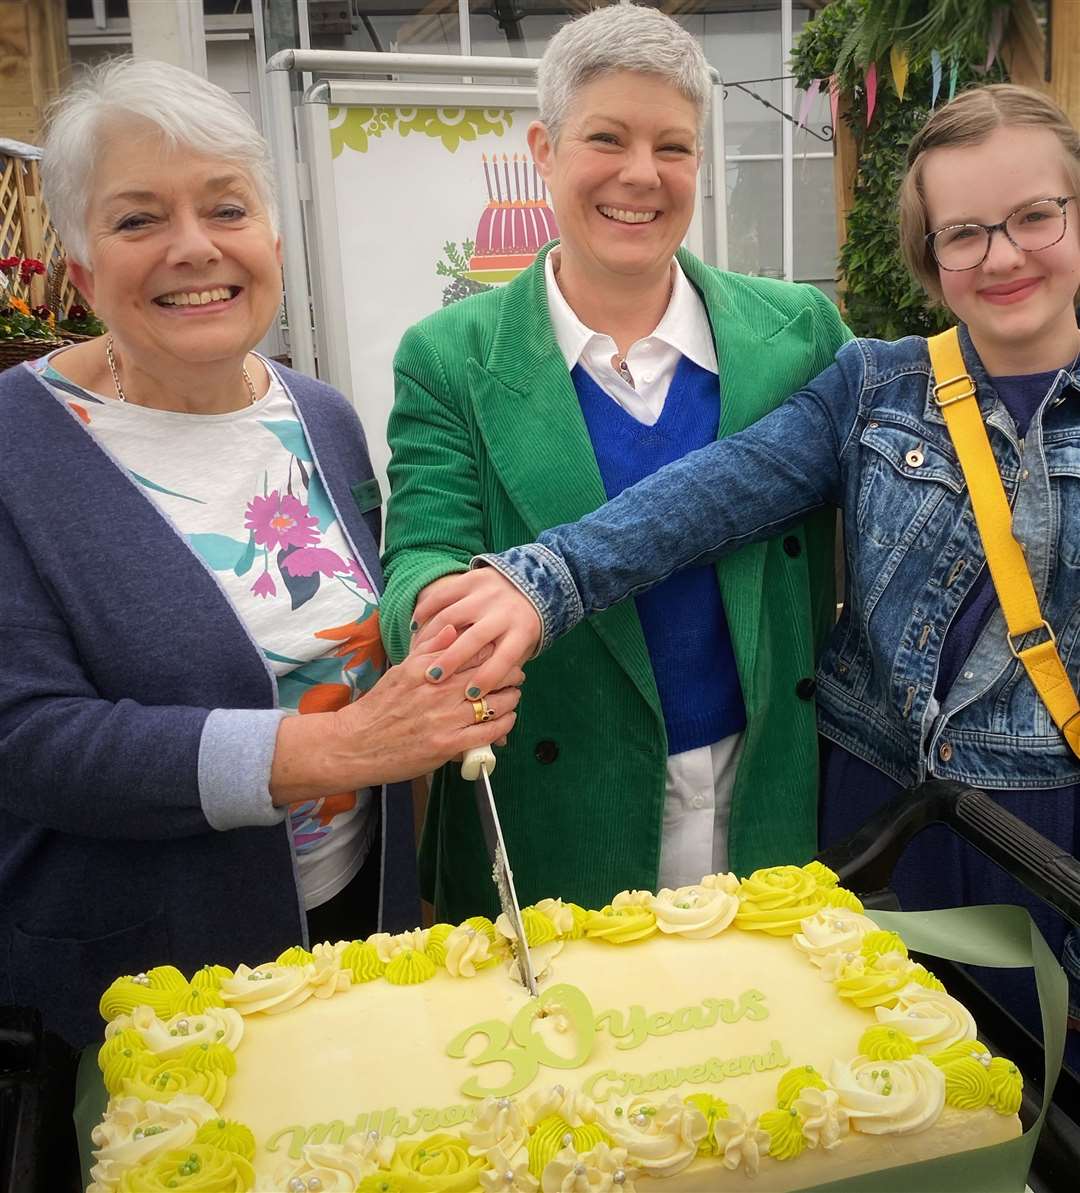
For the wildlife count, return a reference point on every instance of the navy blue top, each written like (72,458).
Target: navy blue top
(938,869)
(682,618)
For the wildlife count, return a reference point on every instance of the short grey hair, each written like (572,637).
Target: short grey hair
(187,110)
(622,37)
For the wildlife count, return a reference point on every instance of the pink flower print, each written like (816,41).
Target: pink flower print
(309,560)
(278,521)
(264,586)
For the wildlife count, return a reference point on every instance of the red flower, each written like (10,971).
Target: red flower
(77,312)
(7,264)
(41,312)
(29,268)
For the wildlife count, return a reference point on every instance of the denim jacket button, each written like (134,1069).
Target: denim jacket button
(945,751)
(914,458)
(806,688)
(546,752)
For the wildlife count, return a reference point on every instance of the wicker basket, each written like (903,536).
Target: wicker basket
(13,352)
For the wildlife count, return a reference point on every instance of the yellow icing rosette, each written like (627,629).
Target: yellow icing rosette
(821,874)
(886,1043)
(197,1168)
(1006,1086)
(877,944)
(481,923)
(794,1081)
(164,989)
(620,925)
(839,896)
(229,1136)
(714,1110)
(297,955)
(776,900)
(785,1131)
(554,1133)
(438,1164)
(436,942)
(409,968)
(203,1070)
(362,960)
(874,983)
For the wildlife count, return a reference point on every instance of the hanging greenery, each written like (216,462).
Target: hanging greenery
(891,61)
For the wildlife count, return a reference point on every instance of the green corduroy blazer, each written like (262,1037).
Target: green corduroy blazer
(490,447)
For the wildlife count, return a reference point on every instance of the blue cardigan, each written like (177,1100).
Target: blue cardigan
(116,642)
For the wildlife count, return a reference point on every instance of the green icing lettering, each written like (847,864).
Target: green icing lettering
(690,1018)
(629,1031)
(615,1085)
(333,1132)
(453,1116)
(751,1004)
(660,1024)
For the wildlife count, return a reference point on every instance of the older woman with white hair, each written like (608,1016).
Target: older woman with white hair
(661,741)
(189,542)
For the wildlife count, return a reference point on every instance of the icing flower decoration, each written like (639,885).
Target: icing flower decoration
(388,946)
(741,1142)
(504,1176)
(196,1167)
(336,1167)
(169,1037)
(269,988)
(437,936)
(297,955)
(620,925)
(499,1124)
(794,1081)
(777,900)
(839,896)
(713,1109)
(443,1161)
(134,1131)
(830,931)
(574,1107)
(229,1136)
(566,918)
(162,988)
(663,1139)
(821,874)
(467,952)
(1006,1086)
(874,983)
(824,1120)
(278,521)
(410,968)
(602,1170)
(886,1043)
(553,1134)
(785,1131)
(539,929)
(696,912)
(362,960)
(880,944)
(897,1097)
(203,1070)
(932,1018)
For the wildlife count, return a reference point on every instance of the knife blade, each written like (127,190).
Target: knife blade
(477,765)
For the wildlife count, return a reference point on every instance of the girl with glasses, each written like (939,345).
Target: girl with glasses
(918,679)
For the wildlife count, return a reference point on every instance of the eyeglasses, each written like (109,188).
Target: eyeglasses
(1029,228)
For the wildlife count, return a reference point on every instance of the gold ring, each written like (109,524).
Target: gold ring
(481,711)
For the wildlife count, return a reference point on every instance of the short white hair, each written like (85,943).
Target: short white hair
(187,110)
(622,37)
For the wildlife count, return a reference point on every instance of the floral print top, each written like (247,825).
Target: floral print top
(242,488)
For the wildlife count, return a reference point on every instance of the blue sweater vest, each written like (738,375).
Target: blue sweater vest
(683,618)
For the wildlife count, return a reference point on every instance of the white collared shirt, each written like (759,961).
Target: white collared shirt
(697,797)
(683,331)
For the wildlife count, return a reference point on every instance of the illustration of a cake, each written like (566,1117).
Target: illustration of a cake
(516,223)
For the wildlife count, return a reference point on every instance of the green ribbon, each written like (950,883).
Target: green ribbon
(1001,938)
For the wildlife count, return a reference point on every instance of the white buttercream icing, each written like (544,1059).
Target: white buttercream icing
(133,1131)
(890,1097)
(930,1018)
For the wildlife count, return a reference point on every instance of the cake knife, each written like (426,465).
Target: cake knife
(478,765)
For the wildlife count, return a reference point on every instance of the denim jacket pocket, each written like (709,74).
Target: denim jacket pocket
(904,478)
(1063,465)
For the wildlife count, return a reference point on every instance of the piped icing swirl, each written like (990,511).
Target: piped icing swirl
(740,1141)
(776,900)
(831,931)
(337,1167)
(169,1037)
(931,1018)
(134,1131)
(662,1139)
(824,1119)
(896,1097)
(696,912)
(467,952)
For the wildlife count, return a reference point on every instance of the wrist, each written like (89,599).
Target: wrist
(313,757)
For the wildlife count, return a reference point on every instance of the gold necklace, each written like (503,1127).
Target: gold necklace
(120,389)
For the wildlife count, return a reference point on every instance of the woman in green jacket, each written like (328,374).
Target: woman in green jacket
(673,736)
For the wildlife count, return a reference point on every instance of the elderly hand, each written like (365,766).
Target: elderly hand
(403,727)
(489,614)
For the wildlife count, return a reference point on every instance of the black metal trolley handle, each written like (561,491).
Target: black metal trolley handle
(866,858)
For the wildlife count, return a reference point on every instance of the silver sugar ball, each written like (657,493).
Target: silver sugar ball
(314,1184)
(618,1177)
(579,1169)
(567,1139)
(297,1185)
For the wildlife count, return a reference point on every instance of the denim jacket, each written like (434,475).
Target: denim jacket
(866,437)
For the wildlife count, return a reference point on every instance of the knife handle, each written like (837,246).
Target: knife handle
(482,758)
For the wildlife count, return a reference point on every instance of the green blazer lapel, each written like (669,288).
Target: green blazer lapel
(527,411)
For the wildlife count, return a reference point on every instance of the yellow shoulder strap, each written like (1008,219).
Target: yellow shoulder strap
(954,393)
